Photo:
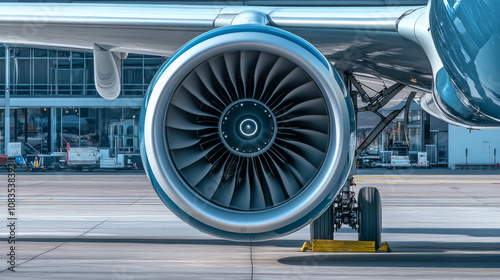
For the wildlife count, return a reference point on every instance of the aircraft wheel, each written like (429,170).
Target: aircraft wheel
(322,227)
(370,215)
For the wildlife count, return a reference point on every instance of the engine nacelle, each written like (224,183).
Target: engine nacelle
(466,35)
(247,133)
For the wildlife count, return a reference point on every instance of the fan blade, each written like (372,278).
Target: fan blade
(194,86)
(262,68)
(299,94)
(318,123)
(272,185)
(276,74)
(292,80)
(180,139)
(206,75)
(289,185)
(182,120)
(242,194)
(257,199)
(195,172)
(308,152)
(309,107)
(217,65)
(232,61)
(189,156)
(212,181)
(314,138)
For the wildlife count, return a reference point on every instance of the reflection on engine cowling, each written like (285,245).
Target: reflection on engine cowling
(247,133)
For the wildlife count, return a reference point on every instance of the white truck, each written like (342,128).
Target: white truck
(79,158)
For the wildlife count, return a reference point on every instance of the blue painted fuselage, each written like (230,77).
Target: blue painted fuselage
(467,38)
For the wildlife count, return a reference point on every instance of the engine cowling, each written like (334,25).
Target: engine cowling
(247,133)
(466,36)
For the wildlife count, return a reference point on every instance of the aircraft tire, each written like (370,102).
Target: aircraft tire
(370,215)
(322,227)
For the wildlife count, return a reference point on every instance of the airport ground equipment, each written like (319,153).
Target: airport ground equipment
(122,136)
(106,160)
(400,162)
(422,159)
(14,149)
(4,160)
(20,161)
(80,158)
(37,164)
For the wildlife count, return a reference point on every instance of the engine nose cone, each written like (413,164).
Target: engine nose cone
(247,127)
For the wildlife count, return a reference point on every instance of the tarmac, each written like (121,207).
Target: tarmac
(440,223)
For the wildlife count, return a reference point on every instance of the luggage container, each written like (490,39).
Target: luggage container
(80,158)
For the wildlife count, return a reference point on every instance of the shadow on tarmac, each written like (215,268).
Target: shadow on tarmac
(405,254)
(396,259)
(475,232)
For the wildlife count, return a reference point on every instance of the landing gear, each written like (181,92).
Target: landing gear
(370,215)
(363,215)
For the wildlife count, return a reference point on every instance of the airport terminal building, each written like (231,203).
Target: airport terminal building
(54,102)
(54,105)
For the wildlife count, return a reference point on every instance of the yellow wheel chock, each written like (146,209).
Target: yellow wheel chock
(319,245)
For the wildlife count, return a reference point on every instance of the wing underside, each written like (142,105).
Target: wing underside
(355,39)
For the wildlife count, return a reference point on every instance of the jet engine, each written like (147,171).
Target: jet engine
(247,133)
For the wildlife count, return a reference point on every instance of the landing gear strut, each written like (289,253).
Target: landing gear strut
(364,215)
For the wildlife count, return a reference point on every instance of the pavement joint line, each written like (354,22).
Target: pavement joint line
(48,251)
(424,183)
(251,259)
(468,195)
(139,199)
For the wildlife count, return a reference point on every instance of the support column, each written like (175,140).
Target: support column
(53,129)
(7,98)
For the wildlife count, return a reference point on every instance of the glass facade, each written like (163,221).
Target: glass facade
(73,126)
(56,73)
(68,73)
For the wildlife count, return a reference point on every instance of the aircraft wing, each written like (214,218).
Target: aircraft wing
(357,39)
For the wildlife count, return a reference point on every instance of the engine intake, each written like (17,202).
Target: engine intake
(247,133)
